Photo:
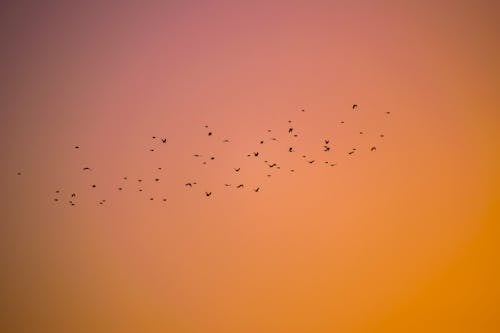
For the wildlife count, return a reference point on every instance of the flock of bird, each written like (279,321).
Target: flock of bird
(326,146)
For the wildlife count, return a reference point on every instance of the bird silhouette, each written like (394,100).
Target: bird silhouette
(311,162)
(290,149)
(354,106)
(119,188)
(256,154)
(73,195)
(77,147)
(225,141)
(227,185)
(151,150)
(19,173)
(93,186)
(208,194)
(261,142)
(212,158)
(55,199)
(257,189)
(326,148)
(157,179)
(164,140)
(197,155)
(237,169)
(381,135)
(188,184)
(240,186)
(290,130)
(154,137)
(272,165)
(373,148)
(327,142)
(87,168)
(209,133)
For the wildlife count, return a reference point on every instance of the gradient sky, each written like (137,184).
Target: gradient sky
(404,239)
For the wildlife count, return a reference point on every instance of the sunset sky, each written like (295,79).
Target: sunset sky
(402,239)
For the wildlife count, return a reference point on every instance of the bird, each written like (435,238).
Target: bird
(333,164)
(73,195)
(303,156)
(208,194)
(290,130)
(55,199)
(261,142)
(351,152)
(212,158)
(373,148)
(237,169)
(125,178)
(119,188)
(240,186)
(311,162)
(209,133)
(188,184)
(226,140)
(140,190)
(197,155)
(256,154)
(382,135)
(272,165)
(289,121)
(290,149)
(303,110)
(159,168)
(327,142)
(77,147)
(269,131)
(151,150)
(354,106)
(154,137)
(93,186)
(151,199)
(326,148)
(388,112)
(139,180)
(292,170)
(157,179)
(257,189)
(269,175)
(227,185)
(57,191)
(274,139)
(342,122)
(164,140)
(87,168)
(295,135)
(19,173)
(164,199)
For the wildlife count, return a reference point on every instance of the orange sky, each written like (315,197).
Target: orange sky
(404,239)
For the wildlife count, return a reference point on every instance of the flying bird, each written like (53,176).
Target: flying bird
(226,140)
(354,106)
(290,149)
(240,186)
(237,169)
(290,130)
(164,140)
(257,189)
(188,184)
(373,148)
(326,148)
(209,133)
(208,194)
(311,162)
(327,142)
(87,168)
(73,195)
(261,142)
(256,154)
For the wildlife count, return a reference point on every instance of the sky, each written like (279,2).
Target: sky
(401,239)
